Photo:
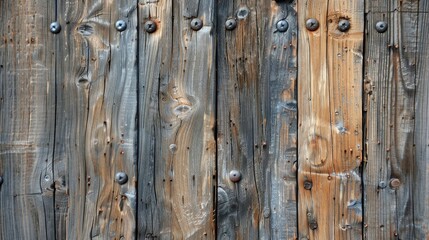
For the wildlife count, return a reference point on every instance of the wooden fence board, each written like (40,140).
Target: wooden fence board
(26,120)
(257,123)
(330,120)
(96,81)
(176,121)
(390,72)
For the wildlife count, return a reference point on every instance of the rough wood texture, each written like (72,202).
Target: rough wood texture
(176,121)
(390,86)
(26,120)
(257,124)
(96,93)
(330,120)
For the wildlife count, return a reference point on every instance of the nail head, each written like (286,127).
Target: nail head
(120,25)
(196,24)
(382,184)
(308,185)
(230,24)
(121,178)
(234,176)
(343,25)
(55,27)
(312,24)
(282,25)
(381,26)
(150,26)
(313,225)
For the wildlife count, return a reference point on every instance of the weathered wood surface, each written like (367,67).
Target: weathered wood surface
(96,105)
(26,120)
(330,120)
(396,89)
(177,150)
(257,121)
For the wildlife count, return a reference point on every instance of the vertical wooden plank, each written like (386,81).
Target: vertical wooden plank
(330,120)
(26,120)
(176,121)
(96,113)
(390,71)
(257,127)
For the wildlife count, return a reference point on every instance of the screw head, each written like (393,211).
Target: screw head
(343,25)
(282,25)
(55,27)
(395,183)
(230,24)
(120,25)
(150,26)
(121,178)
(234,176)
(312,24)
(196,24)
(308,185)
(381,26)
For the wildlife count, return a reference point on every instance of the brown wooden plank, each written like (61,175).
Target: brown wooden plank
(96,113)
(330,120)
(26,120)
(390,71)
(176,121)
(257,120)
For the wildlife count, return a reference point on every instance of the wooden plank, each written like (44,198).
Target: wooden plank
(26,120)
(176,121)
(257,121)
(390,71)
(96,113)
(330,120)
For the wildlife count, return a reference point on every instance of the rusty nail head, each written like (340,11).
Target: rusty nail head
(121,178)
(395,183)
(150,26)
(343,25)
(308,185)
(282,25)
(312,24)
(230,24)
(381,26)
(234,176)
(55,27)
(120,25)
(382,184)
(196,24)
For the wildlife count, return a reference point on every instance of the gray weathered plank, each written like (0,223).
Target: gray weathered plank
(96,91)
(257,121)
(176,121)
(26,120)
(390,71)
(330,131)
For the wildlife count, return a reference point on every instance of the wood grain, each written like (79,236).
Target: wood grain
(330,121)
(96,89)
(390,87)
(257,121)
(27,120)
(177,147)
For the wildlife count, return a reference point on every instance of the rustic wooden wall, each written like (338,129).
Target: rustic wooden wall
(204,120)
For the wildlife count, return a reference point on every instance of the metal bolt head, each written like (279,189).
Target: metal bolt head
(55,27)
(312,24)
(381,26)
(230,24)
(282,25)
(395,183)
(196,24)
(121,178)
(234,176)
(382,184)
(343,25)
(150,26)
(308,185)
(120,25)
